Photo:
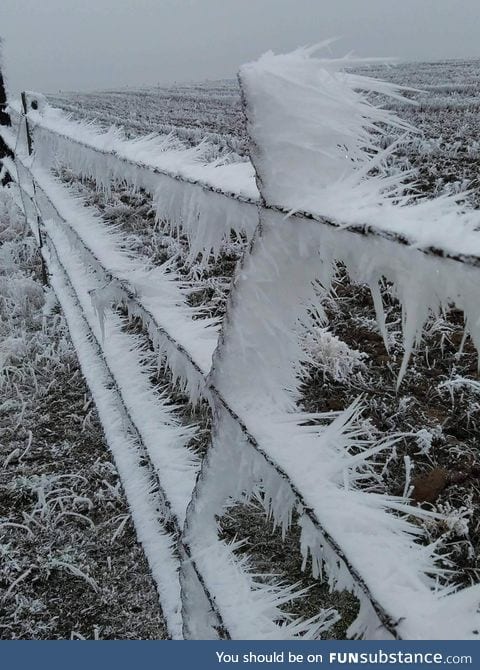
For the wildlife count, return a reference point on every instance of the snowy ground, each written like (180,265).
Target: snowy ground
(70,564)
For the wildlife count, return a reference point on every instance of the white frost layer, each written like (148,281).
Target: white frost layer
(161,432)
(338,474)
(250,607)
(163,153)
(158,289)
(304,176)
(274,294)
(315,139)
(311,127)
(225,566)
(165,442)
(125,366)
(138,485)
(207,201)
(311,157)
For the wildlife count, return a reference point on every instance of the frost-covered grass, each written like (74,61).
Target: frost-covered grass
(70,564)
(445,154)
(439,418)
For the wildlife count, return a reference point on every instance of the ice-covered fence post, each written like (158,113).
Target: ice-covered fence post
(311,133)
(5,151)
(256,370)
(33,104)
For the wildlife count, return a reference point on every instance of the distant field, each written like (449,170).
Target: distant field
(210,110)
(447,114)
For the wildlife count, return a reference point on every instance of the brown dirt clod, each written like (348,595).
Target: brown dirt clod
(427,487)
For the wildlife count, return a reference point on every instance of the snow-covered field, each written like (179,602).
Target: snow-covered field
(420,435)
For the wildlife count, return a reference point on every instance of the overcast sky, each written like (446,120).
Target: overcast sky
(53,45)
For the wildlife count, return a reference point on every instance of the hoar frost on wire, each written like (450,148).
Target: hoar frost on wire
(329,139)
(324,156)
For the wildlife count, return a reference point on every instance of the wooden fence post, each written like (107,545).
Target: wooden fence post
(27,125)
(28,133)
(5,151)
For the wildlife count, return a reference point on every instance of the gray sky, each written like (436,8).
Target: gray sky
(91,44)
